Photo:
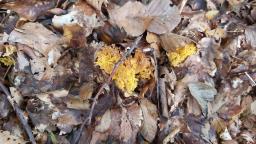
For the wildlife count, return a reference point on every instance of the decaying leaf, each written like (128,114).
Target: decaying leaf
(30,9)
(250,33)
(149,127)
(211,14)
(7,138)
(40,69)
(77,103)
(22,61)
(225,135)
(253,108)
(208,48)
(67,119)
(203,93)
(39,38)
(46,97)
(73,35)
(16,95)
(125,126)
(135,18)
(80,14)
(171,41)
(4,106)
(86,90)
(104,122)
(97,3)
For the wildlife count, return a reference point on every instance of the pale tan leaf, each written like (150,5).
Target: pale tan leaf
(7,138)
(105,122)
(97,3)
(135,18)
(149,127)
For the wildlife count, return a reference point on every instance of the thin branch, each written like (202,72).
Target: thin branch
(88,120)
(183,3)
(19,113)
(250,78)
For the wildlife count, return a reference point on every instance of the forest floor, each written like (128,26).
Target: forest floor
(128,71)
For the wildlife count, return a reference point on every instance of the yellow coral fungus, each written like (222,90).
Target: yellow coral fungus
(7,60)
(107,57)
(178,56)
(127,75)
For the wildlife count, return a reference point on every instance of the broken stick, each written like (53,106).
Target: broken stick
(19,113)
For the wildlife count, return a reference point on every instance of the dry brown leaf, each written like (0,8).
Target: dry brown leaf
(40,69)
(40,39)
(250,34)
(154,42)
(135,116)
(86,90)
(22,61)
(115,129)
(105,122)
(172,41)
(67,119)
(181,90)
(197,23)
(7,138)
(135,18)
(253,108)
(97,3)
(193,107)
(46,97)
(209,50)
(30,9)
(5,106)
(16,95)
(80,14)
(248,56)
(149,127)
(125,126)
(165,18)
(74,36)
(77,103)
(130,17)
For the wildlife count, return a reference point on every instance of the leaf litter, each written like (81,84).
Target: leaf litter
(145,71)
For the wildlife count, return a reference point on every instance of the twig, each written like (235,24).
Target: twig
(156,79)
(183,3)
(163,96)
(19,113)
(8,69)
(250,78)
(89,119)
